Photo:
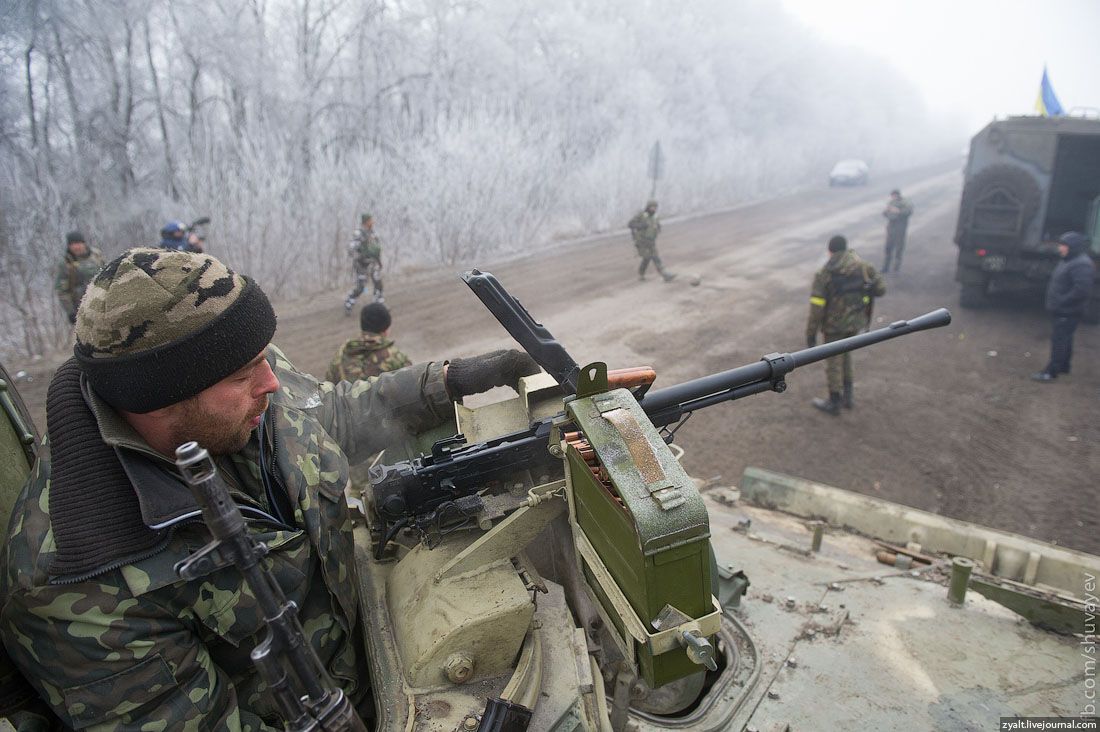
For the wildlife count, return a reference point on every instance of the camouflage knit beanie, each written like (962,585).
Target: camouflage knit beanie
(156,327)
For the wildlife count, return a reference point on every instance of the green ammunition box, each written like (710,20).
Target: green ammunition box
(646,522)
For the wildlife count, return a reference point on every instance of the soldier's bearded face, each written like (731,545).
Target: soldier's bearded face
(221,418)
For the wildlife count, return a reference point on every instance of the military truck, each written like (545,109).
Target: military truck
(1028,180)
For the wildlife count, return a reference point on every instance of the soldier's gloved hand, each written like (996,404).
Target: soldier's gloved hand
(811,340)
(466,376)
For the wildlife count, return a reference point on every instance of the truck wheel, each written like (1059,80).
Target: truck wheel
(1015,182)
(972,295)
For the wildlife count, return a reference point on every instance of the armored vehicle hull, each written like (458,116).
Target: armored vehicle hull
(836,613)
(1028,180)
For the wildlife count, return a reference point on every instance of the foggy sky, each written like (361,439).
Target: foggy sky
(973,59)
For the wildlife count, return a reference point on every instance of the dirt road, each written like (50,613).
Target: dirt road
(945,421)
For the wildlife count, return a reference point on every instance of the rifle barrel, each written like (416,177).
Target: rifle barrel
(668,405)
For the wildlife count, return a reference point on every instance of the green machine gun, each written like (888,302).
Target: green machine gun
(585,449)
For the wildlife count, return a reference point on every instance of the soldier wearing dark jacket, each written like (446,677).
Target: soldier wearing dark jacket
(173,346)
(372,353)
(76,270)
(897,213)
(840,305)
(1068,294)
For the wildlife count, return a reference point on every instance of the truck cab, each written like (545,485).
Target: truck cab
(1028,180)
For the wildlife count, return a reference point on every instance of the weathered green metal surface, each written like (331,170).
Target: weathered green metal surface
(482,614)
(1000,553)
(850,644)
(1062,615)
(653,543)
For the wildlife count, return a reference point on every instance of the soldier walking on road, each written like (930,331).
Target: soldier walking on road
(370,354)
(76,270)
(365,251)
(170,347)
(840,306)
(1068,294)
(897,214)
(645,227)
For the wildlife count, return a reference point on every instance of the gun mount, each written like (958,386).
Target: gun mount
(570,489)
(423,491)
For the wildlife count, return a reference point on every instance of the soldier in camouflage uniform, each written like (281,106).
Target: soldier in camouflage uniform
(370,354)
(76,270)
(173,346)
(897,214)
(365,251)
(840,306)
(645,227)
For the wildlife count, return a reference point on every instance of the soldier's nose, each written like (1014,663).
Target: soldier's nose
(266,382)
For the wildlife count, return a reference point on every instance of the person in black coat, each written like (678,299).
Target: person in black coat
(1067,297)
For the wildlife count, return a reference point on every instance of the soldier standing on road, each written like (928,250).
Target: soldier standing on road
(645,227)
(840,306)
(370,354)
(365,251)
(897,214)
(80,265)
(170,347)
(1068,294)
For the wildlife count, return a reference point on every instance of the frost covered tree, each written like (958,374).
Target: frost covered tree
(470,127)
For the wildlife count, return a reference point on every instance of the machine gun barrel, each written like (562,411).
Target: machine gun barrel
(668,405)
(430,483)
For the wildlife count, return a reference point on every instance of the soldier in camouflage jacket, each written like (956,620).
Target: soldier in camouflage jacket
(644,227)
(174,346)
(75,271)
(365,251)
(372,353)
(840,306)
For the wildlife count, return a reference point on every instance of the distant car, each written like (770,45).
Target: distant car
(849,173)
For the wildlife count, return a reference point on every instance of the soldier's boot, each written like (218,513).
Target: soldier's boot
(666,275)
(848,402)
(830,405)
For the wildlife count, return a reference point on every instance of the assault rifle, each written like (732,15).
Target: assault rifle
(306,695)
(440,489)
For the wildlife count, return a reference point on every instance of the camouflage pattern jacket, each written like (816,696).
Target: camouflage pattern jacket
(841,297)
(366,356)
(129,645)
(365,250)
(645,227)
(73,276)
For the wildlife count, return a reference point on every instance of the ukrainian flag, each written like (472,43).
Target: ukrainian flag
(1047,104)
